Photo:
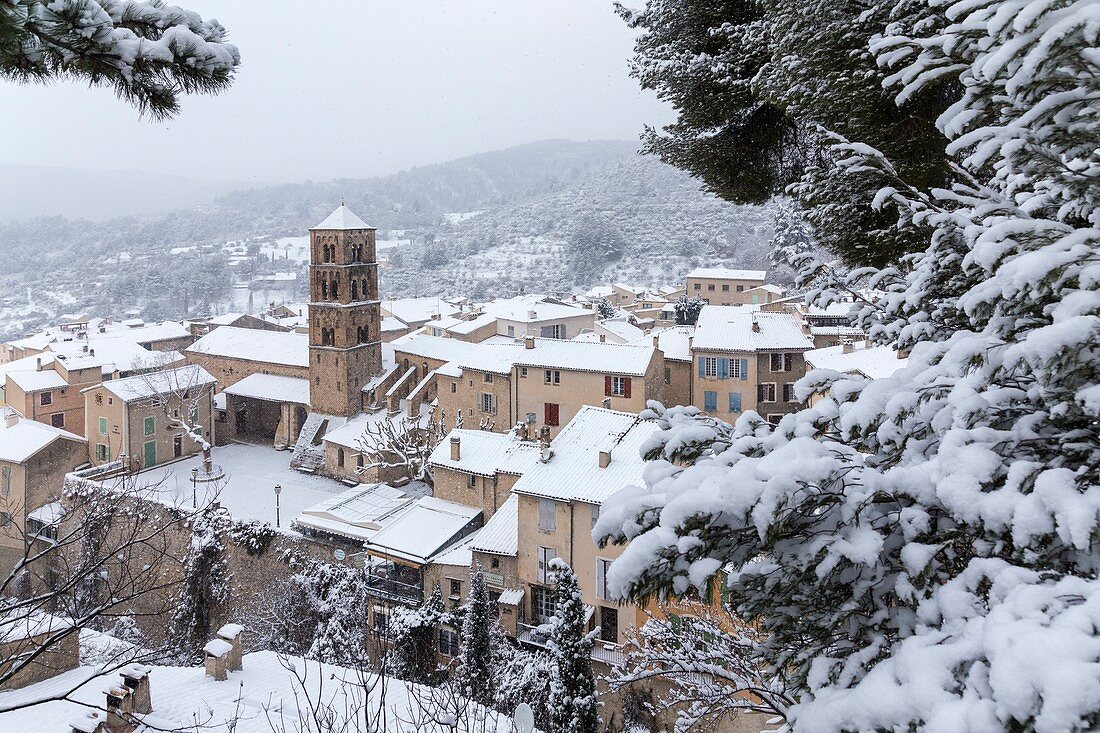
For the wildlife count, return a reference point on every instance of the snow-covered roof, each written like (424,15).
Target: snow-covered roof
(423,529)
(619,330)
(500,535)
(486,453)
(252,344)
(468,327)
(769,288)
(731,328)
(352,433)
(22,439)
(390,323)
(460,553)
(511,596)
(532,309)
(725,273)
(418,310)
(343,218)
(24,625)
(358,512)
(268,692)
(151,384)
(833,309)
(573,472)
(875,362)
(48,514)
(669,289)
(272,387)
(36,381)
(675,342)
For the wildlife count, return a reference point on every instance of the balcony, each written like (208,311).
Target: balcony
(395,582)
(605,652)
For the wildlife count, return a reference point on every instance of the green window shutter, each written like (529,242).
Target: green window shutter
(723,368)
(102,426)
(744,369)
(150,426)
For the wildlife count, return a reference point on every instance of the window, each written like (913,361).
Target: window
(455,589)
(782,362)
(471,481)
(774,419)
(548,515)
(551,414)
(595,515)
(5,480)
(5,519)
(545,555)
(698,286)
(150,425)
(609,624)
(40,530)
(488,378)
(710,401)
(668,376)
(725,287)
(618,386)
(448,642)
(523,371)
(740,288)
(739,368)
(765,392)
(488,403)
(340,457)
(710,287)
(735,401)
(454,387)
(98,398)
(102,452)
(788,393)
(46,398)
(557,331)
(601,579)
(553,376)
(177,446)
(381,621)
(543,604)
(709,367)
(57,419)
(511,330)
(102,426)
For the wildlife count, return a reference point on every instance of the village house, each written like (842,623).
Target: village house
(537,315)
(675,344)
(34,459)
(149,416)
(478,467)
(416,312)
(202,326)
(723,286)
(747,360)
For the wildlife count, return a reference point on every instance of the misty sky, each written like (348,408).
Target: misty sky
(335,88)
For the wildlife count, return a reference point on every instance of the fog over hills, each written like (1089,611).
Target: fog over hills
(550,216)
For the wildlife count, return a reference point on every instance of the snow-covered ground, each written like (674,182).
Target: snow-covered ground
(248,490)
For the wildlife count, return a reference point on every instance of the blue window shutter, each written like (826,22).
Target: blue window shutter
(744,369)
(723,368)
(735,402)
(710,401)
(702,368)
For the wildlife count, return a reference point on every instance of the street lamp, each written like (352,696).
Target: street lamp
(194,481)
(278,490)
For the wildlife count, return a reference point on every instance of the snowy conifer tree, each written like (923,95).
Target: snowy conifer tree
(149,52)
(475,661)
(605,310)
(920,552)
(573,705)
(413,639)
(687,310)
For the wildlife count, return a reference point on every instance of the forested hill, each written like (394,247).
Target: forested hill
(549,215)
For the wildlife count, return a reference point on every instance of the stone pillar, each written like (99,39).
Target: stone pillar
(136,677)
(216,653)
(232,634)
(120,710)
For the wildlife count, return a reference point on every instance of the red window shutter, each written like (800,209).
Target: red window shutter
(626,387)
(607,386)
(547,413)
(554,409)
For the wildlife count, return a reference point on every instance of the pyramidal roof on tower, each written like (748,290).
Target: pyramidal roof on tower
(343,218)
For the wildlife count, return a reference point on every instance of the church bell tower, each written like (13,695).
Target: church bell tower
(345,348)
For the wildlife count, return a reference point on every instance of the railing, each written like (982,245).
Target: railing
(602,651)
(395,590)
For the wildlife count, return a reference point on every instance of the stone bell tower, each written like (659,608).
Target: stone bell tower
(345,348)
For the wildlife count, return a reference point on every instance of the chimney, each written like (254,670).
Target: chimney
(847,346)
(232,634)
(11,418)
(545,454)
(606,403)
(605,458)
(93,722)
(136,677)
(532,315)
(38,364)
(755,325)
(603,337)
(215,655)
(120,710)
(91,352)
(456,448)
(656,341)
(528,342)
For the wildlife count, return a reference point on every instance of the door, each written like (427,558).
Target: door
(177,446)
(150,454)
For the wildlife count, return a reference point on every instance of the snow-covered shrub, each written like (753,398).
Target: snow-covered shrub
(254,536)
(205,584)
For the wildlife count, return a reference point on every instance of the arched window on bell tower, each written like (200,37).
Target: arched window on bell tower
(335,289)
(354,290)
(324,288)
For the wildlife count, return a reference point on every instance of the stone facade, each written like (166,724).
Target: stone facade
(229,370)
(344,318)
(61,656)
(721,291)
(487,493)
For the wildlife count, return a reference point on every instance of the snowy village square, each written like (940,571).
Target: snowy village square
(663,366)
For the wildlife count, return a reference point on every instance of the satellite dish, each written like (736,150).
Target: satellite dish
(524,718)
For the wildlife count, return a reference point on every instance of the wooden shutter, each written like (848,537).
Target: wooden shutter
(626,386)
(735,402)
(702,366)
(600,579)
(607,386)
(744,369)
(554,413)
(547,413)
(723,368)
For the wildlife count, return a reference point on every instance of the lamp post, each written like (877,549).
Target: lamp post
(194,490)
(278,490)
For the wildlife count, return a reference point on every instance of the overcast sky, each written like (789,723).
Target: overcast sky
(333,88)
